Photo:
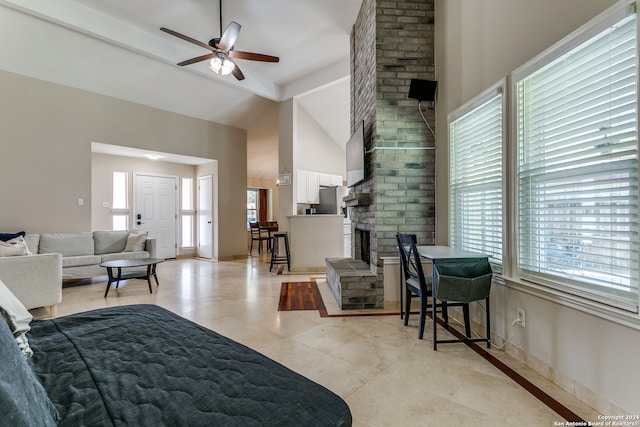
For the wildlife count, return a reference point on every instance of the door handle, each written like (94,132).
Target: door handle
(208,222)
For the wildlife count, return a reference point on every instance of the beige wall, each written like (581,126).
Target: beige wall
(262,141)
(286,155)
(478,42)
(45,145)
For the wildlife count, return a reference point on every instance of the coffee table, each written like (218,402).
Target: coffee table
(119,264)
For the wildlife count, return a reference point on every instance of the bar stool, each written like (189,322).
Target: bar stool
(276,258)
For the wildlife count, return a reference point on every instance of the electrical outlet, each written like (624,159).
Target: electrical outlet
(520,315)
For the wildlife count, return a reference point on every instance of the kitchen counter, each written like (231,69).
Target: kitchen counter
(312,238)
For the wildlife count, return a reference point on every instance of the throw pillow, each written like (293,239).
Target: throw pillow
(136,242)
(17,317)
(8,236)
(14,247)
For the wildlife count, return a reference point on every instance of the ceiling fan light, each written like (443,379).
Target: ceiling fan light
(220,64)
(215,64)
(227,66)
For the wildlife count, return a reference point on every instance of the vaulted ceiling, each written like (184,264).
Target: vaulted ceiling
(115,47)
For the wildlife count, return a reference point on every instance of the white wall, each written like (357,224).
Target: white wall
(45,145)
(477,43)
(316,150)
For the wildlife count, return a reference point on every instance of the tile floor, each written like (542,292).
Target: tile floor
(386,375)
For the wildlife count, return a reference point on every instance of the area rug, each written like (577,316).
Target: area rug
(300,296)
(307,296)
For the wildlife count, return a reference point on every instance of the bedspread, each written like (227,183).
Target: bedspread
(143,365)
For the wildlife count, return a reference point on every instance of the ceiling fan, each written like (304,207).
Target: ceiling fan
(222,50)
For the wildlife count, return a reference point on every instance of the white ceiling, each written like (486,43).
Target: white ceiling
(115,47)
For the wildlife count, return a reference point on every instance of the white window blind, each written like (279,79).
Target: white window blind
(576,128)
(475,177)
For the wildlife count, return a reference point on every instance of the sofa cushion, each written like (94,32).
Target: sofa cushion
(108,242)
(33,241)
(136,241)
(75,261)
(70,244)
(125,255)
(23,400)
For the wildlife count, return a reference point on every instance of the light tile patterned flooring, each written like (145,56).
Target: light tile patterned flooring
(386,375)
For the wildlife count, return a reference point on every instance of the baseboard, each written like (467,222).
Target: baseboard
(571,386)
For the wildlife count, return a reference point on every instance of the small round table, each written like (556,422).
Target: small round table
(150,263)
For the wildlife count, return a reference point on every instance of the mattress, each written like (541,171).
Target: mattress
(143,365)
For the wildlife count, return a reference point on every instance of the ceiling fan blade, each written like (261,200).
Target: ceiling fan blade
(187,38)
(229,36)
(236,72)
(196,59)
(253,56)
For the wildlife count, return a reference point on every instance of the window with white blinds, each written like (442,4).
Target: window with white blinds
(577,165)
(475,178)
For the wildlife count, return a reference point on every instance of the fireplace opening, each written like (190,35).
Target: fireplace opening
(363,246)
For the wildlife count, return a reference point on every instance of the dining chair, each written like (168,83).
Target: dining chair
(460,282)
(258,234)
(417,284)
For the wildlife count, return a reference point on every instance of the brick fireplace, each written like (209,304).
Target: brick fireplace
(392,42)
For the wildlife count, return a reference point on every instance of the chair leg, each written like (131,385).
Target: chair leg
(445,313)
(401,302)
(286,246)
(434,323)
(407,306)
(274,253)
(423,315)
(467,321)
(488,324)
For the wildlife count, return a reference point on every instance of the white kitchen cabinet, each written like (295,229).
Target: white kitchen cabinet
(329,180)
(308,187)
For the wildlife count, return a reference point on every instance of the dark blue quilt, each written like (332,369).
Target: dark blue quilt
(145,366)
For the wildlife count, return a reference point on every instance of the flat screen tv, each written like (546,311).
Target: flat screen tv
(355,156)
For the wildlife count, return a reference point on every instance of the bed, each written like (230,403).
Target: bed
(146,366)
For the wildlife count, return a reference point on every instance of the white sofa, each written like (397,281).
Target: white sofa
(37,279)
(83,252)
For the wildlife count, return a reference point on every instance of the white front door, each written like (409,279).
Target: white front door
(205,217)
(155,200)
